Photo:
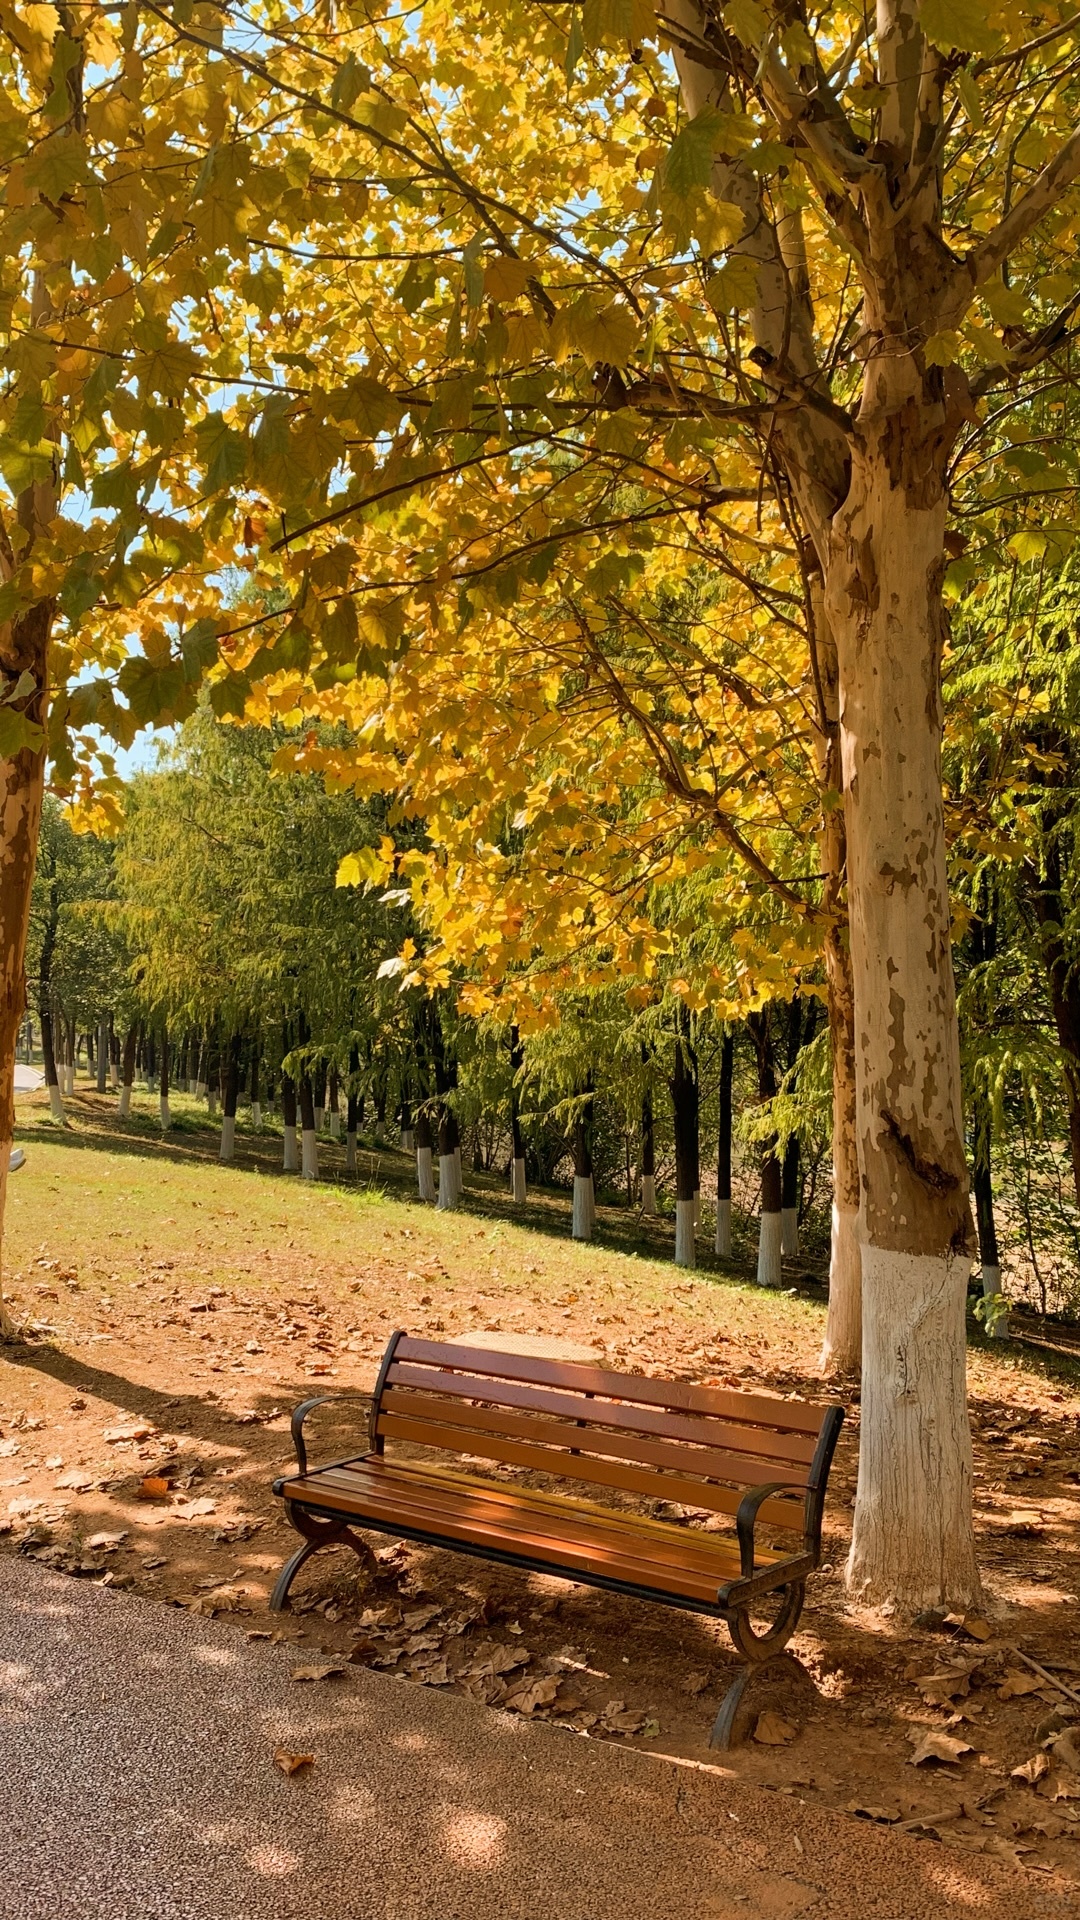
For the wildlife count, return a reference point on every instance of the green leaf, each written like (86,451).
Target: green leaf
(575,47)
(1028,545)
(17,734)
(734,287)
(167,369)
(617,22)
(58,166)
(199,649)
(350,81)
(222,451)
(229,695)
(371,407)
(748,20)
(156,690)
(942,349)
(690,156)
(956,23)
(968,88)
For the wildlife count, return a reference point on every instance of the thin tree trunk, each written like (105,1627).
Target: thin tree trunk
(997,1314)
(769,1267)
(103,1055)
(425,1177)
(723,1147)
(253,1084)
(648,1145)
(518,1185)
(333,1105)
(309,1133)
(684,1105)
(584,1209)
(290,1158)
(227,1148)
(166,1117)
(127,1074)
(352,1112)
(1063,980)
(48,1057)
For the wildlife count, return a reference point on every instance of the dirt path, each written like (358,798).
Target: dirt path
(139,1781)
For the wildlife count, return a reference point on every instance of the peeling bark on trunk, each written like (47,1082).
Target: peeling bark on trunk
(23,650)
(913,1533)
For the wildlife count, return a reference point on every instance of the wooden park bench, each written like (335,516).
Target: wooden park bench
(765,1461)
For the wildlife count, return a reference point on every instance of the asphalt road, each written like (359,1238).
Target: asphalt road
(137,1782)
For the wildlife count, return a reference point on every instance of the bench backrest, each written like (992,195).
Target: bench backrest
(666,1439)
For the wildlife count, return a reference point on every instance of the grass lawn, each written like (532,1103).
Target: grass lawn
(187,1306)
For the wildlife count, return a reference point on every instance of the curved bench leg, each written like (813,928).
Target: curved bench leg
(760,1651)
(316,1534)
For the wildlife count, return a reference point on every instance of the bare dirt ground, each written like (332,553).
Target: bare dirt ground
(175,1310)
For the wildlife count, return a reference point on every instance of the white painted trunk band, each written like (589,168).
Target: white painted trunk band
(517,1180)
(425,1178)
(722,1243)
(769,1270)
(685,1250)
(290,1158)
(648,1193)
(309,1154)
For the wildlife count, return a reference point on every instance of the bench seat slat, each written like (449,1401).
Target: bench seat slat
(465,1495)
(713,1462)
(580,1466)
(678,1395)
(617,1554)
(781,1449)
(692,1542)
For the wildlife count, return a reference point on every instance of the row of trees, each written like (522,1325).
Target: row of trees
(605,406)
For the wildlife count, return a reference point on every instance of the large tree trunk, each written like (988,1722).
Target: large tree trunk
(913,1532)
(1063,979)
(425,1174)
(23,650)
(48,1055)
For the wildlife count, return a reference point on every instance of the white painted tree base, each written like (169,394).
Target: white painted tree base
(114,1076)
(335,1126)
(722,1243)
(770,1272)
(164,1114)
(56,1104)
(319,1115)
(228,1137)
(648,1193)
(212,1104)
(69,1081)
(309,1154)
(685,1249)
(913,1538)
(997,1324)
(408,1140)
(193,1088)
(125,1103)
(449,1190)
(201,1089)
(518,1188)
(584,1207)
(151,1083)
(290,1156)
(697,1209)
(425,1177)
(256,1117)
(350,1153)
(789,1232)
(843,1328)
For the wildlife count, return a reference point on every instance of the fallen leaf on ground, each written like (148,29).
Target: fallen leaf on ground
(76,1482)
(976,1627)
(1016,1684)
(939,1746)
(1061,1786)
(320,1670)
(135,1430)
(695,1683)
(153,1488)
(194,1509)
(886,1814)
(1033,1770)
(535,1693)
(772,1731)
(105,1542)
(939,1688)
(1065,1750)
(224,1599)
(291,1763)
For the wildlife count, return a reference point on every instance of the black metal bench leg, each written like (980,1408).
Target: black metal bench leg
(761,1653)
(317,1534)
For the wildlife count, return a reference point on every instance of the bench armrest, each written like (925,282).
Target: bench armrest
(297,1426)
(746,1518)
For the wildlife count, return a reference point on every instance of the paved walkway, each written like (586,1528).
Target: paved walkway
(137,1783)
